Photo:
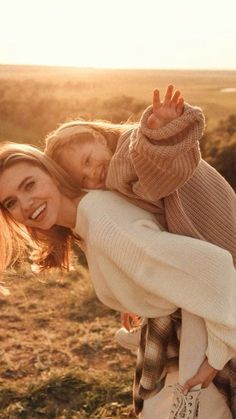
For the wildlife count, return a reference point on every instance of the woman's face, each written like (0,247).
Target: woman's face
(30,195)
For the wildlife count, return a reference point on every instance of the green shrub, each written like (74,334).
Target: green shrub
(219,149)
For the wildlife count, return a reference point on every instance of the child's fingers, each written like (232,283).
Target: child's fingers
(168,95)
(135,320)
(125,320)
(176,97)
(156,100)
(180,106)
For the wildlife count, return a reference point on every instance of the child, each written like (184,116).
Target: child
(157,165)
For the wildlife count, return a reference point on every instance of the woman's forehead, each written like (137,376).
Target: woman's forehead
(14,173)
(21,165)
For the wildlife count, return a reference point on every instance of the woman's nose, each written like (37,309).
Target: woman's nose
(27,204)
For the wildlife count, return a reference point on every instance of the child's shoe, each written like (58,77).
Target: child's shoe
(129,339)
(185,406)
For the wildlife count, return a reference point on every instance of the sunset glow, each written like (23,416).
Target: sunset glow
(119,34)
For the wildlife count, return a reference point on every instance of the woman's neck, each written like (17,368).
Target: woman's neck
(68,211)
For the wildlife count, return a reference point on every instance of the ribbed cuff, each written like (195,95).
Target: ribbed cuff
(190,115)
(218,353)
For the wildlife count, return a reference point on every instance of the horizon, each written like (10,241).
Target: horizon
(73,67)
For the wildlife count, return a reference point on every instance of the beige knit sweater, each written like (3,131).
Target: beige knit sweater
(162,171)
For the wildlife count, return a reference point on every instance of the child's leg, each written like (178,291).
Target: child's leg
(193,345)
(212,403)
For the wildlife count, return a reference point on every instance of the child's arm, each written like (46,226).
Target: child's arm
(194,368)
(164,150)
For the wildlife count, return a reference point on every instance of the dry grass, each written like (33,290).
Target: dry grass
(58,355)
(33,100)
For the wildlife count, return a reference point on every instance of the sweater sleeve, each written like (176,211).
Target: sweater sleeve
(203,293)
(219,350)
(187,273)
(165,158)
(153,272)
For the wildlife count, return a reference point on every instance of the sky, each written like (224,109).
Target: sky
(170,34)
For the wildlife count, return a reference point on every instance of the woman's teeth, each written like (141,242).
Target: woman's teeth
(38,211)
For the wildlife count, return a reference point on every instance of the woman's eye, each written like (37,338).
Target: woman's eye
(29,185)
(10,204)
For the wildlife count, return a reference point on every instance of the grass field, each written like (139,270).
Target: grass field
(58,355)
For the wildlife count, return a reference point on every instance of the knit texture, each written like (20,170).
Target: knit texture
(121,242)
(163,169)
(136,267)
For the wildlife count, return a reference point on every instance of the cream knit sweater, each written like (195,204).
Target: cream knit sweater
(137,267)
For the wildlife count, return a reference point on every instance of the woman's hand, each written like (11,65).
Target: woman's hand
(164,112)
(204,376)
(129,320)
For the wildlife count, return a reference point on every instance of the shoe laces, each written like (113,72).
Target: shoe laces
(134,330)
(185,406)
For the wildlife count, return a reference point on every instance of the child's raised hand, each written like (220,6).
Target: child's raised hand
(164,112)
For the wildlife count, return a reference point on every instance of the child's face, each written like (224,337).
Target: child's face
(87,163)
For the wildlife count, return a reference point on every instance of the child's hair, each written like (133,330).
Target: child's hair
(71,133)
(51,247)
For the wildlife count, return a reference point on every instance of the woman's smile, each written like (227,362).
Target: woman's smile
(39,213)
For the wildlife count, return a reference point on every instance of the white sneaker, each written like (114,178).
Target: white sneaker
(128,339)
(185,406)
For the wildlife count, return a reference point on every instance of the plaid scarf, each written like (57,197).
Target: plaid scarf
(158,353)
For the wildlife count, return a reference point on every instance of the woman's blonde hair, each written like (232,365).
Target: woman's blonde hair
(70,133)
(51,247)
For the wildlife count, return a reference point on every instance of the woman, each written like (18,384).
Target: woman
(134,265)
